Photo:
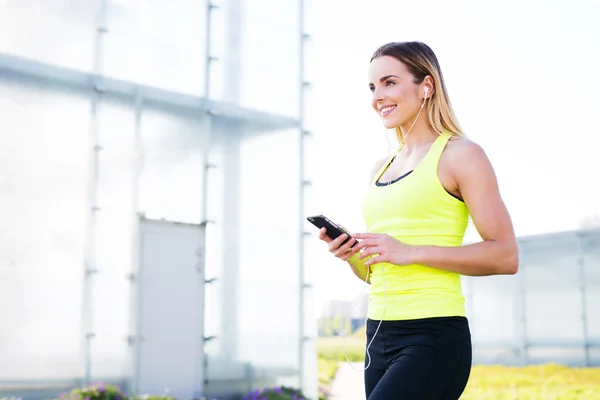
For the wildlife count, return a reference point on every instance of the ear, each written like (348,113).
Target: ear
(427,83)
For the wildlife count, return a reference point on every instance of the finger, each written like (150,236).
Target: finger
(370,251)
(335,244)
(343,248)
(367,235)
(376,260)
(323,235)
(363,244)
(348,255)
(346,248)
(354,250)
(364,235)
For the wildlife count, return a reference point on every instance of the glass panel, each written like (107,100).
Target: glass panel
(310,16)
(593,316)
(553,298)
(259,184)
(594,355)
(310,345)
(269,190)
(59,32)
(270,56)
(224,82)
(494,309)
(554,315)
(158,43)
(268,252)
(110,293)
(44,154)
(171,181)
(569,356)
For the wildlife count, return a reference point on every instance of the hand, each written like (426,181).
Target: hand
(344,252)
(385,248)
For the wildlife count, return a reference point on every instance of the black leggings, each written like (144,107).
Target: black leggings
(423,359)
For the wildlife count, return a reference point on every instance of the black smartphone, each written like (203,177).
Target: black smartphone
(333,230)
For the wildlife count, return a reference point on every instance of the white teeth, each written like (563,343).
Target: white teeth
(386,109)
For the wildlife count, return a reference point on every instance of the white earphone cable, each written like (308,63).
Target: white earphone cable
(388,183)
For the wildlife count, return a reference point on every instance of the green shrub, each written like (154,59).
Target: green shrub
(332,348)
(97,391)
(327,370)
(276,393)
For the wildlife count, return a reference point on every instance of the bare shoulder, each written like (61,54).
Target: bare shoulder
(465,162)
(462,153)
(459,147)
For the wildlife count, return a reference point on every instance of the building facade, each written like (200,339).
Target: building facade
(153,191)
(548,311)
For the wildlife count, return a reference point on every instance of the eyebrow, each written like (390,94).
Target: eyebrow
(387,77)
(384,78)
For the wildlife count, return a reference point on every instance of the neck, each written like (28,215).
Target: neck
(420,134)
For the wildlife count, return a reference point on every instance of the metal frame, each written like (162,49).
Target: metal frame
(96,88)
(15,68)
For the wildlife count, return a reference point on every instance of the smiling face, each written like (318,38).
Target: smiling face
(396,96)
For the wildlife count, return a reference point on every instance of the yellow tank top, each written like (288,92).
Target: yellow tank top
(417,210)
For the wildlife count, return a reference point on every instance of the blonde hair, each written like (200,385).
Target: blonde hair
(422,62)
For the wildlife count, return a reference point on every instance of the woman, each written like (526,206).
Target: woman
(416,211)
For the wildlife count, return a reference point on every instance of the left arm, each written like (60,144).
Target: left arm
(497,254)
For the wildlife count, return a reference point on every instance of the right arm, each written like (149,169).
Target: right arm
(345,253)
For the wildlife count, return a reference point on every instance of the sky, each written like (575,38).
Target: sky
(522,78)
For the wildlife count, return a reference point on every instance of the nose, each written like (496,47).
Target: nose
(377,96)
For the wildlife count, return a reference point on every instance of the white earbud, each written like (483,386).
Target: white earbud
(426,92)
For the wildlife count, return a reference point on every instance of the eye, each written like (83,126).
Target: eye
(371,88)
(387,83)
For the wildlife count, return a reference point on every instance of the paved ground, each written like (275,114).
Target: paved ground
(348,383)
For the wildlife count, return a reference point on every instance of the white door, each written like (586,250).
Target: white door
(170,304)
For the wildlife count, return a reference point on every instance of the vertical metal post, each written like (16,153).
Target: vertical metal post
(208,58)
(90,246)
(135,339)
(201,362)
(301,111)
(90,261)
(583,291)
(522,322)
